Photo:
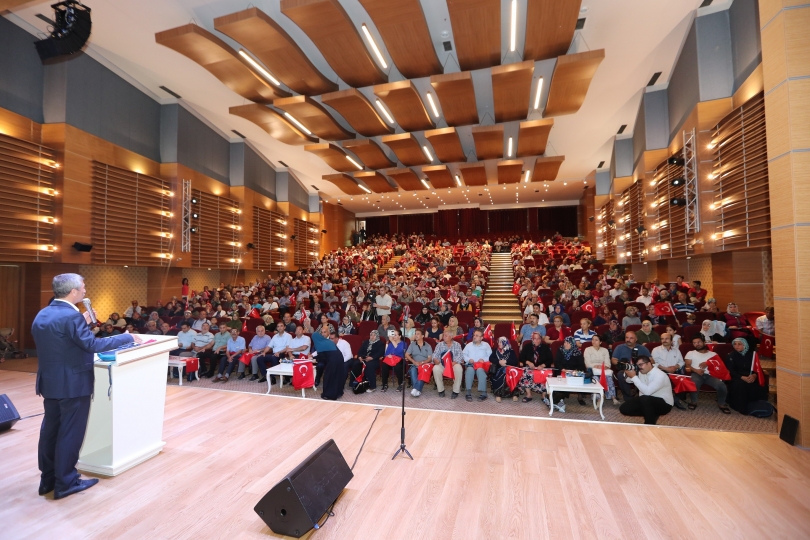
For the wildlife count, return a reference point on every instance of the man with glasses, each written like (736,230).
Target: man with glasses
(655,392)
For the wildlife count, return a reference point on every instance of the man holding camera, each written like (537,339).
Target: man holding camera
(655,391)
(627,353)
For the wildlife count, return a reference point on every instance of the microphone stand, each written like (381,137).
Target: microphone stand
(402,448)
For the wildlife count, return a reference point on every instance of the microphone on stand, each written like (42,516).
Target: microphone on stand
(89,308)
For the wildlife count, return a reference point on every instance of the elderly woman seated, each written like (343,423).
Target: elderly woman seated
(745,386)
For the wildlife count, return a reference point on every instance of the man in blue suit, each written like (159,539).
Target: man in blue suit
(65,348)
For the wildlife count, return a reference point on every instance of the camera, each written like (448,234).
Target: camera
(626,366)
(634,355)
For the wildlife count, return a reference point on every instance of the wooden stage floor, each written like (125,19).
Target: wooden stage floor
(475,476)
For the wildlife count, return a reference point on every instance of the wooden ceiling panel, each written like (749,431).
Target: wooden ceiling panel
(440,177)
(406,179)
(446,144)
(511,89)
(550,26)
(334,156)
(407,149)
(474,174)
(533,137)
(265,39)
(375,181)
(358,112)
(314,117)
(510,171)
(274,123)
(331,29)
(476,32)
(569,83)
(370,153)
(457,98)
(488,142)
(220,60)
(345,183)
(546,168)
(405,33)
(403,100)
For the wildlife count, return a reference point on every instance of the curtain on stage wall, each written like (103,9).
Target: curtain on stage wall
(472,222)
(562,219)
(446,224)
(508,221)
(415,224)
(377,225)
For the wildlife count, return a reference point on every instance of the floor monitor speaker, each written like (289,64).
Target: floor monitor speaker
(8,413)
(789,428)
(294,505)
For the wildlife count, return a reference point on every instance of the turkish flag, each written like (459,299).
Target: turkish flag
(766,346)
(756,367)
(425,370)
(717,368)
(392,360)
(682,383)
(447,359)
(488,334)
(663,309)
(540,376)
(245,358)
(303,374)
(513,376)
(589,307)
(244,326)
(513,333)
(254,314)
(603,378)
(304,315)
(516,288)
(482,364)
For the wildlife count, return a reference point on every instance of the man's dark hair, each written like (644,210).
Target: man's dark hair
(697,282)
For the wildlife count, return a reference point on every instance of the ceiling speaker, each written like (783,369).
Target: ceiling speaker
(70,32)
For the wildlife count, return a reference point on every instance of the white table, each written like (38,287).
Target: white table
(561,384)
(281,371)
(181,365)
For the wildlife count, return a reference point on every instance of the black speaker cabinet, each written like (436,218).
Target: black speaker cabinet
(8,413)
(295,504)
(789,428)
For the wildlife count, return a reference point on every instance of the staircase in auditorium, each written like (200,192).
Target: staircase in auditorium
(381,271)
(500,305)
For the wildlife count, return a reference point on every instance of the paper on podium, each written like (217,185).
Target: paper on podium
(152,346)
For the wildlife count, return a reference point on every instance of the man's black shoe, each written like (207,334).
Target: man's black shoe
(80,486)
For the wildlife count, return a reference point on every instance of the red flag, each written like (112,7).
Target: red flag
(766,346)
(245,358)
(513,334)
(425,370)
(392,360)
(513,376)
(304,316)
(488,334)
(244,326)
(540,376)
(447,359)
(303,374)
(756,367)
(516,288)
(482,364)
(682,383)
(603,378)
(254,314)
(717,368)
(663,309)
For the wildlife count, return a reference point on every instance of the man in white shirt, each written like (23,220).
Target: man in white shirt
(669,360)
(645,297)
(134,308)
(185,341)
(765,323)
(476,351)
(655,392)
(696,362)
(278,350)
(202,319)
(346,350)
(300,344)
(383,303)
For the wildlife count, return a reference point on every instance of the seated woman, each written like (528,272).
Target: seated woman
(630,317)
(463,303)
(368,357)
(738,325)
(709,332)
(502,356)
(569,358)
(597,356)
(477,323)
(534,355)
(453,327)
(434,330)
(395,348)
(559,311)
(710,306)
(423,316)
(345,328)
(409,328)
(744,387)
(558,332)
(351,312)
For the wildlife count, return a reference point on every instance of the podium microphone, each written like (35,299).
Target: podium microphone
(89,309)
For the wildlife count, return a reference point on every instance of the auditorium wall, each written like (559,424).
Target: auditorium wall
(22,77)
(113,288)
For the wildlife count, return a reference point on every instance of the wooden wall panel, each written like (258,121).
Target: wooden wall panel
(339,224)
(306,243)
(457,97)
(12,285)
(476,32)
(217,242)
(19,127)
(269,239)
(572,78)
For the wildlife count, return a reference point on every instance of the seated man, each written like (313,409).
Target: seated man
(202,318)
(533,326)
(765,323)
(152,329)
(384,327)
(476,351)
(647,334)
(233,350)
(134,308)
(203,341)
(289,325)
(448,344)
(697,292)
(668,359)
(258,347)
(212,355)
(300,344)
(696,365)
(107,330)
(645,297)
(584,335)
(627,352)
(683,304)
(185,341)
(654,389)
(278,350)
(418,353)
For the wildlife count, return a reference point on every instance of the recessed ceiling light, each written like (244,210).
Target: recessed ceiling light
(374,47)
(537,93)
(432,105)
(295,121)
(513,28)
(255,65)
(384,111)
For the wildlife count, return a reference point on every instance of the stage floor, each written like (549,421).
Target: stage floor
(475,476)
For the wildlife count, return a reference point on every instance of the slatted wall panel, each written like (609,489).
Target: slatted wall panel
(306,243)
(216,242)
(26,201)
(741,197)
(270,239)
(131,217)
(608,231)
(669,227)
(632,218)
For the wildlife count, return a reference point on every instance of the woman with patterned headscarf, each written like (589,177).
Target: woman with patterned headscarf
(744,386)
(502,356)
(369,355)
(737,325)
(569,358)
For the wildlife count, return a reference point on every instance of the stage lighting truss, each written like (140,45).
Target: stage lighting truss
(691,184)
(185,237)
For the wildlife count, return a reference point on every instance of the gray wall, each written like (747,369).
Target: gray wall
(201,148)
(746,46)
(715,75)
(259,175)
(21,72)
(296,194)
(683,89)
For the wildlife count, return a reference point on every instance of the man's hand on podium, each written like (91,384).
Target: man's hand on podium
(136,337)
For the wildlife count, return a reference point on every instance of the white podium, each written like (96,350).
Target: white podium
(125,427)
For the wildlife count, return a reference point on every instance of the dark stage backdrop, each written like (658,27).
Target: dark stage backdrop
(472,222)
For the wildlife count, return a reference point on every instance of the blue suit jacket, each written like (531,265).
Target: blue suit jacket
(65,348)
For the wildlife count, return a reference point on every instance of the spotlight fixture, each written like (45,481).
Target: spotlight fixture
(194,230)
(640,229)
(611,224)
(677,201)
(677,181)
(292,237)
(675,160)
(590,219)
(195,215)
(323,231)
(194,200)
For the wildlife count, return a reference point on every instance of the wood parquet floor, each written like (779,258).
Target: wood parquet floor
(474,476)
